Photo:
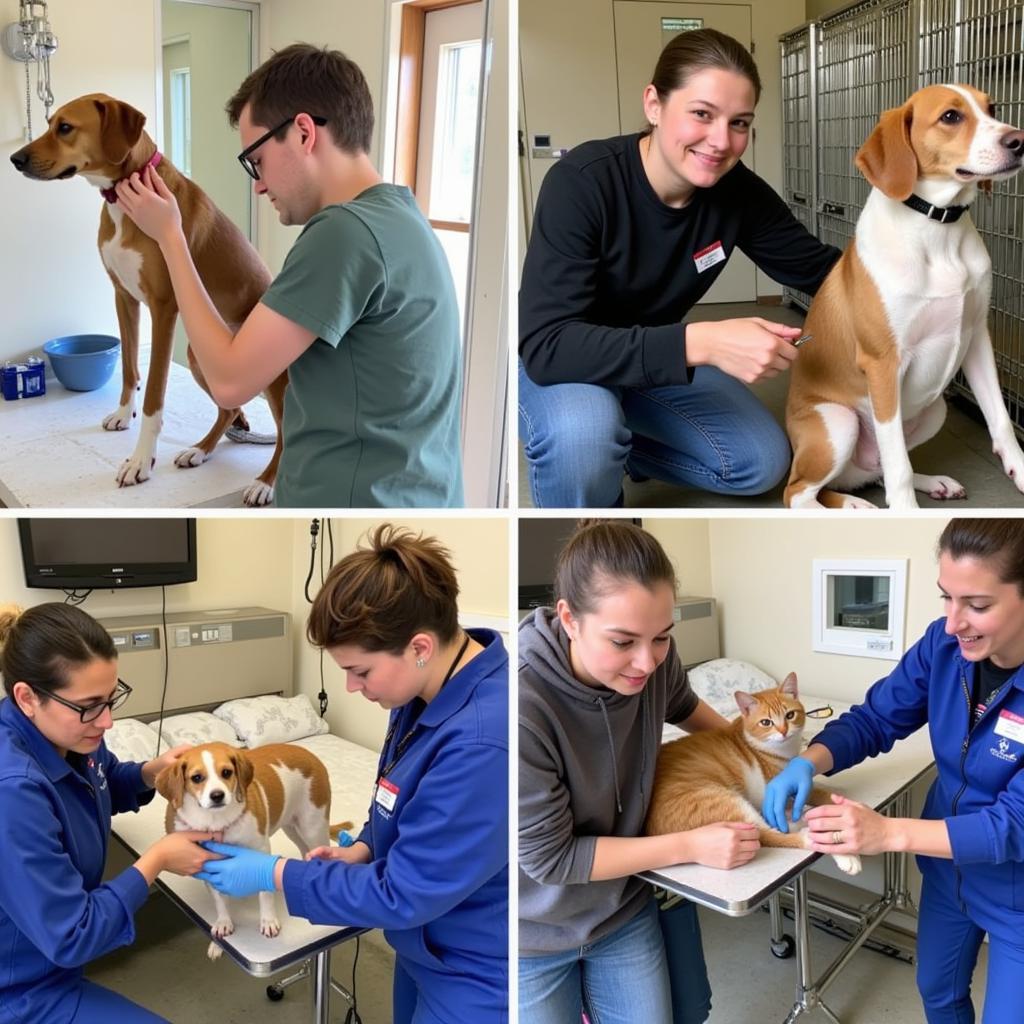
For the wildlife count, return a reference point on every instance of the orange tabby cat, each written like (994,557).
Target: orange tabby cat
(720,775)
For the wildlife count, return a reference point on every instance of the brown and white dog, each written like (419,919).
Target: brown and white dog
(248,795)
(102,139)
(904,308)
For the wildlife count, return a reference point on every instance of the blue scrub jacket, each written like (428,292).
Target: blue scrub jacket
(55,912)
(979,791)
(438,880)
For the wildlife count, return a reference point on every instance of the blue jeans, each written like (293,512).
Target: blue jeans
(712,434)
(947,952)
(620,979)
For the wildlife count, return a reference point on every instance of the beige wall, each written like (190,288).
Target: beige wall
(264,561)
(761,573)
(479,550)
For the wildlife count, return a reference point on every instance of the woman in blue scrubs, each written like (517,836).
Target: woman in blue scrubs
(59,786)
(964,679)
(430,866)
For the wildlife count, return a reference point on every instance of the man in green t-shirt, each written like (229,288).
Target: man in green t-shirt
(363,314)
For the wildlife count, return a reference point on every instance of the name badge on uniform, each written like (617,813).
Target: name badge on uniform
(387,794)
(708,256)
(1011,726)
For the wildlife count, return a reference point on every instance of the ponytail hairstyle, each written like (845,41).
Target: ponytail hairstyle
(40,645)
(602,556)
(690,53)
(380,596)
(1000,542)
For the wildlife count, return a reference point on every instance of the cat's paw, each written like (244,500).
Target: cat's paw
(848,862)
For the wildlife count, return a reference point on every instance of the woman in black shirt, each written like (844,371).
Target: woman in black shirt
(629,233)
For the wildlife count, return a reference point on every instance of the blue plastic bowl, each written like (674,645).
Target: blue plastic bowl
(83,362)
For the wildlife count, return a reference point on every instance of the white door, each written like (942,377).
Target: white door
(642,30)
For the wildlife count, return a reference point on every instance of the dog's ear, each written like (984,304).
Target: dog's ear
(887,159)
(243,774)
(120,128)
(170,783)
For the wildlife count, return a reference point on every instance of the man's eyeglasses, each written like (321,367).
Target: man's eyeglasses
(245,157)
(92,711)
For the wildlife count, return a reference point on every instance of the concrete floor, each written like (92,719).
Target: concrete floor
(750,986)
(166,970)
(962,449)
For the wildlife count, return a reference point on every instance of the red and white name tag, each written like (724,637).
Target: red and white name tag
(708,256)
(1011,726)
(387,794)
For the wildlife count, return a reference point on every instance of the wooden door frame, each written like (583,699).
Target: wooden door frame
(410,85)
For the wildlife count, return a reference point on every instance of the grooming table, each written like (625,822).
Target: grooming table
(352,771)
(883,782)
(55,453)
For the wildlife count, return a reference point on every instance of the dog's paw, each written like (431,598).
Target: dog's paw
(258,494)
(134,471)
(851,501)
(269,926)
(214,952)
(848,862)
(119,420)
(222,926)
(902,502)
(941,488)
(190,457)
(1012,458)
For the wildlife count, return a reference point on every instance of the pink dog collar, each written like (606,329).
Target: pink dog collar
(111,196)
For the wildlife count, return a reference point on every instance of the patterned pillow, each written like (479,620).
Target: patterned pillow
(717,680)
(262,720)
(194,728)
(128,739)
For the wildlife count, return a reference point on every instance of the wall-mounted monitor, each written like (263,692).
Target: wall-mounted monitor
(540,541)
(84,554)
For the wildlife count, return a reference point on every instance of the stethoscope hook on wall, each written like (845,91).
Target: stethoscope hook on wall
(30,39)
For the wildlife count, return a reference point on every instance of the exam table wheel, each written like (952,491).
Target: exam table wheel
(784,948)
(275,993)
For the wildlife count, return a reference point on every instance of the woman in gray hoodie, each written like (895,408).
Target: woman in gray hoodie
(598,677)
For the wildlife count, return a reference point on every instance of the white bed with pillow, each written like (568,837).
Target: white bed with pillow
(252,722)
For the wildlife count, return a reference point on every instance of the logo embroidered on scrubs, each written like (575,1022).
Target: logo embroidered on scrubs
(1002,751)
(97,769)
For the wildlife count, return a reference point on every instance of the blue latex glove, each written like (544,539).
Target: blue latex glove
(344,839)
(795,780)
(241,873)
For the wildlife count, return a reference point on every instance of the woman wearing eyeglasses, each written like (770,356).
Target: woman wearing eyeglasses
(59,786)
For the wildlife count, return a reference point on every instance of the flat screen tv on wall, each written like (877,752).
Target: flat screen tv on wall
(82,554)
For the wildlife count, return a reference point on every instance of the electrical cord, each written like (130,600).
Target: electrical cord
(167,666)
(75,598)
(314,530)
(352,1017)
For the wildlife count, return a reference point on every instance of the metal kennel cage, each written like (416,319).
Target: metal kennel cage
(840,72)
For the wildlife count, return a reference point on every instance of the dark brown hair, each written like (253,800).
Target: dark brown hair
(304,79)
(689,53)
(379,597)
(40,645)
(602,555)
(997,541)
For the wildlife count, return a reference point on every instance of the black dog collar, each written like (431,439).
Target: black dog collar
(943,214)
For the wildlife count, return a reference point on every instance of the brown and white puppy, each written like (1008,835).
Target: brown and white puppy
(904,308)
(102,139)
(248,795)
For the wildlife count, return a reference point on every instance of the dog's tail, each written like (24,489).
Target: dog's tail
(345,826)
